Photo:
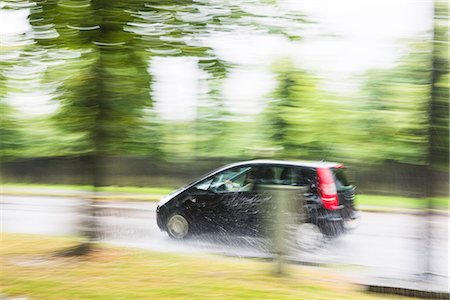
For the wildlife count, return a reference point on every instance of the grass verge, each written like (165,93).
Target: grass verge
(111,189)
(401,202)
(30,268)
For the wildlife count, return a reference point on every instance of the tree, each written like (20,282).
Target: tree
(99,104)
(211,121)
(104,102)
(438,156)
(11,134)
(394,108)
(299,120)
(11,137)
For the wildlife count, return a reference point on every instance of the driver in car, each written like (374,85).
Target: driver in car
(247,186)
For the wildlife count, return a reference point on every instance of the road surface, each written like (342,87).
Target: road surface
(384,243)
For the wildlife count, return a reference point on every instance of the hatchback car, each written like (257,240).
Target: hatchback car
(228,199)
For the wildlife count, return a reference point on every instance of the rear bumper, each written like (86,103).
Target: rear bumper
(334,222)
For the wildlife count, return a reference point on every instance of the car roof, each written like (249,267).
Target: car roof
(311,164)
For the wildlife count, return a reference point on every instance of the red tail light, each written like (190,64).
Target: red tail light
(327,188)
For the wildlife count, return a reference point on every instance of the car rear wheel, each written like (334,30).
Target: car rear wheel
(177,227)
(332,229)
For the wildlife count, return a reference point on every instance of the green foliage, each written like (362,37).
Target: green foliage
(95,55)
(439,106)
(211,121)
(11,137)
(298,118)
(11,134)
(100,107)
(395,104)
(407,108)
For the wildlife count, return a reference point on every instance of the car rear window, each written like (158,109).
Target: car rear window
(340,178)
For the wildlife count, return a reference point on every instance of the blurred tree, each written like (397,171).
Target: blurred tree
(438,124)
(211,121)
(405,114)
(299,119)
(11,137)
(393,116)
(11,133)
(440,79)
(97,52)
(92,59)
(185,29)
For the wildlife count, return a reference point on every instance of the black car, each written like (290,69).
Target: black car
(228,199)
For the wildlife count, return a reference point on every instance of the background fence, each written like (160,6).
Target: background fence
(388,178)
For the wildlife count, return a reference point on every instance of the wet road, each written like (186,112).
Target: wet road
(384,243)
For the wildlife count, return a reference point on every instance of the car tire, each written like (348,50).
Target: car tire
(332,229)
(178,227)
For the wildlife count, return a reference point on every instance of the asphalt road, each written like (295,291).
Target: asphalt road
(384,243)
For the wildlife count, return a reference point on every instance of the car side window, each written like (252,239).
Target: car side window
(295,176)
(266,175)
(244,179)
(288,176)
(230,180)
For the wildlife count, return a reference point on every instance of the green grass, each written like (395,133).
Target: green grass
(441,202)
(388,201)
(46,186)
(30,268)
(400,202)
(112,189)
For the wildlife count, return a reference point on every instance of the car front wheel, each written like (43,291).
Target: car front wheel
(178,227)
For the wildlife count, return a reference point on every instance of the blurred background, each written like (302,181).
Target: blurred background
(155,93)
(164,91)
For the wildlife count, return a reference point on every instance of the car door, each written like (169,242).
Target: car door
(224,203)
(267,178)
(245,208)
(240,212)
(202,204)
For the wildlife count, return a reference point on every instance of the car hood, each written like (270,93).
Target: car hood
(172,195)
